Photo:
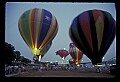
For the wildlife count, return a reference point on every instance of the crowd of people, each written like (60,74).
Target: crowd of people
(14,69)
(17,69)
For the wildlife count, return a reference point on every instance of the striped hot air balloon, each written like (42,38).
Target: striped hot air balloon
(75,53)
(92,32)
(38,27)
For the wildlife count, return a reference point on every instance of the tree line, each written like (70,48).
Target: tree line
(12,55)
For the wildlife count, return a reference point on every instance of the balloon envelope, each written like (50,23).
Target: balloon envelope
(75,53)
(38,27)
(62,53)
(92,32)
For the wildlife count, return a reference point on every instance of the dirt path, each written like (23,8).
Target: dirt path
(65,74)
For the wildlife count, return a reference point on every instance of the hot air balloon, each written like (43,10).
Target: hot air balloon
(38,27)
(62,53)
(93,32)
(75,53)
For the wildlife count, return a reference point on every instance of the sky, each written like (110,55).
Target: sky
(64,13)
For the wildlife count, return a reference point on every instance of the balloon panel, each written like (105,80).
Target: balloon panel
(46,48)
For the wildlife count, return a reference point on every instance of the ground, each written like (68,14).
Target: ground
(65,73)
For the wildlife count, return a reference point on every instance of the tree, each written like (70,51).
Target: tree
(17,55)
(9,53)
(25,60)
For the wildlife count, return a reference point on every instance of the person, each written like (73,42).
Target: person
(19,69)
(98,70)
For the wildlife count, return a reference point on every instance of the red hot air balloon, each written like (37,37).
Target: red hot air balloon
(38,27)
(62,53)
(75,53)
(93,32)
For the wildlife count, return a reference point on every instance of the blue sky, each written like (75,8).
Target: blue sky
(65,13)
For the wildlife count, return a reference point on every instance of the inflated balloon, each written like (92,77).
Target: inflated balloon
(62,53)
(75,53)
(92,32)
(38,27)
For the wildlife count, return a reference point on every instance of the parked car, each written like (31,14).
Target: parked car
(113,69)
